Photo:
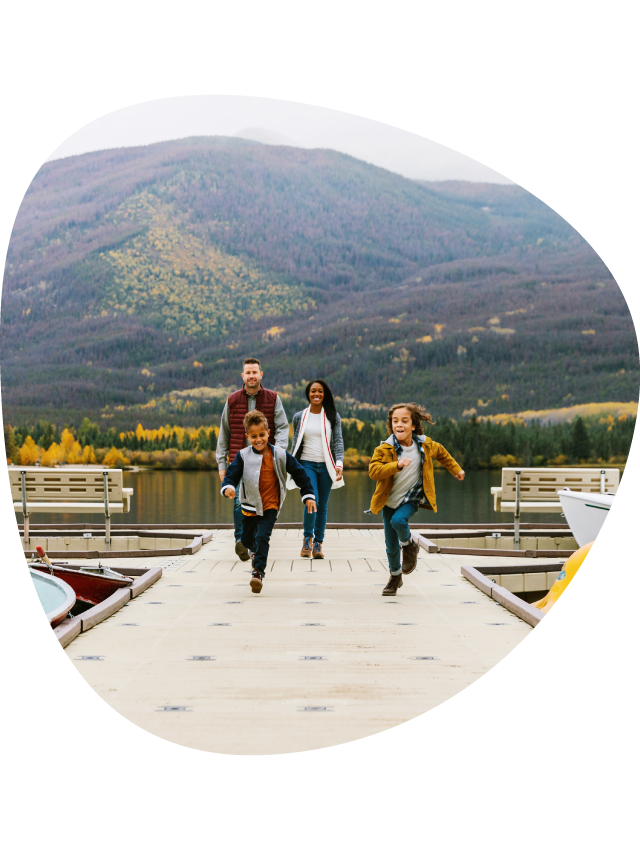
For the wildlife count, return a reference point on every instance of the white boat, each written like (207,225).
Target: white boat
(56,596)
(585,513)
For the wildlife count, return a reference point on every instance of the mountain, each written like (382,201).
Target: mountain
(136,272)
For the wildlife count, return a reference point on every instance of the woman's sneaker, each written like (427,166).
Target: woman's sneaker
(241,551)
(394,583)
(256,581)
(317,549)
(306,548)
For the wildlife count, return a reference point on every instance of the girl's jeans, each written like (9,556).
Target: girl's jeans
(397,532)
(315,524)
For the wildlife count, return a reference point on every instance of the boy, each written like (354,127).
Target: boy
(403,468)
(261,471)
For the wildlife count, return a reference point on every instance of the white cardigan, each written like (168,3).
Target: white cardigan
(328,459)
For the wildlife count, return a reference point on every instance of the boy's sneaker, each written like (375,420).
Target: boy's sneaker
(317,549)
(394,583)
(306,548)
(241,551)
(256,581)
(410,557)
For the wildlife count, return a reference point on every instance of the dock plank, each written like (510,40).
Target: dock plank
(369,679)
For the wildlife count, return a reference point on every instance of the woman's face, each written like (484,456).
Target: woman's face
(316,394)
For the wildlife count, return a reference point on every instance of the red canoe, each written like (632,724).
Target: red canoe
(92,585)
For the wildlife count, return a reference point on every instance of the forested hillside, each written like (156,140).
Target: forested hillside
(137,273)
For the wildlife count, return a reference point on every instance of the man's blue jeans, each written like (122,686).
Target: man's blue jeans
(237,516)
(314,524)
(397,532)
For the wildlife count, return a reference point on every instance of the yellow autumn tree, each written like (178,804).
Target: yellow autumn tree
(88,455)
(53,455)
(29,452)
(114,457)
(74,454)
(67,440)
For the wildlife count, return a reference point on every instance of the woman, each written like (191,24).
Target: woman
(317,444)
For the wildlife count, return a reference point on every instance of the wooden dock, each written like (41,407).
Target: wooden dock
(319,658)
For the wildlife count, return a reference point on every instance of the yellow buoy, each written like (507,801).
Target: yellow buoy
(570,568)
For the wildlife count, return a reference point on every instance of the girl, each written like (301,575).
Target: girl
(317,444)
(403,467)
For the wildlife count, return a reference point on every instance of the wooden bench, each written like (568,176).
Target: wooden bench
(68,491)
(536,489)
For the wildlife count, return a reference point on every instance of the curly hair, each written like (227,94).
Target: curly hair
(254,417)
(418,416)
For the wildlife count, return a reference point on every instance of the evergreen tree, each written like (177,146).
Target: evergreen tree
(580,442)
(203,441)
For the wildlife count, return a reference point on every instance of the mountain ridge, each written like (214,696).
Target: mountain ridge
(151,259)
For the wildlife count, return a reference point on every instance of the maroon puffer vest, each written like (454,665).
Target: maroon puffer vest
(238,406)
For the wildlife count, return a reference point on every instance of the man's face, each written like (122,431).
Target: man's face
(258,436)
(251,375)
(402,424)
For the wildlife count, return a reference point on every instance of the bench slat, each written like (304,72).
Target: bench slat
(71,507)
(58,490)
(539,483)
(539,487)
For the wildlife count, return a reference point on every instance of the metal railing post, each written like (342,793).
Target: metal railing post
(107,515)
(603,473)
(25,510)
(516,518)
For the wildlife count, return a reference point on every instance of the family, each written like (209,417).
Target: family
(256,470)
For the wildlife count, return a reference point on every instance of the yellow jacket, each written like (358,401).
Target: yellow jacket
(383,467)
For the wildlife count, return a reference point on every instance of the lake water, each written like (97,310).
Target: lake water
(181,496)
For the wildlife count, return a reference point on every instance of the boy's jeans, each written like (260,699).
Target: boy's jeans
(397,532)
(256,534)
(314,524)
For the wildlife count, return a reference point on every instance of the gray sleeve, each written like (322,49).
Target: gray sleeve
(296,429)
(222,446)
(336,439)
(281,424)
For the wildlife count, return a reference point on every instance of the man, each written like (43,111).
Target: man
(232,437)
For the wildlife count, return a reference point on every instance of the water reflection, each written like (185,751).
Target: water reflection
(174,496)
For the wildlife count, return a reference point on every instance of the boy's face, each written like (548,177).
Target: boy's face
(258,436)
(402,425)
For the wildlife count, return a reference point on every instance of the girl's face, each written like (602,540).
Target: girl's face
(402,424)
(316,394)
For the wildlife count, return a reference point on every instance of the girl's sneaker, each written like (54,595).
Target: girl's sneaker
(317,549)
(306,547)
(256,581)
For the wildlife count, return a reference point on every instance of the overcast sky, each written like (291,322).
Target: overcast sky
(277,122)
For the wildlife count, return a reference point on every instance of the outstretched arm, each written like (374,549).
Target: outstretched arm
(233,477)
(439,452)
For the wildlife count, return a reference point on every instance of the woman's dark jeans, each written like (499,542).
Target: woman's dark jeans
(315,524)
